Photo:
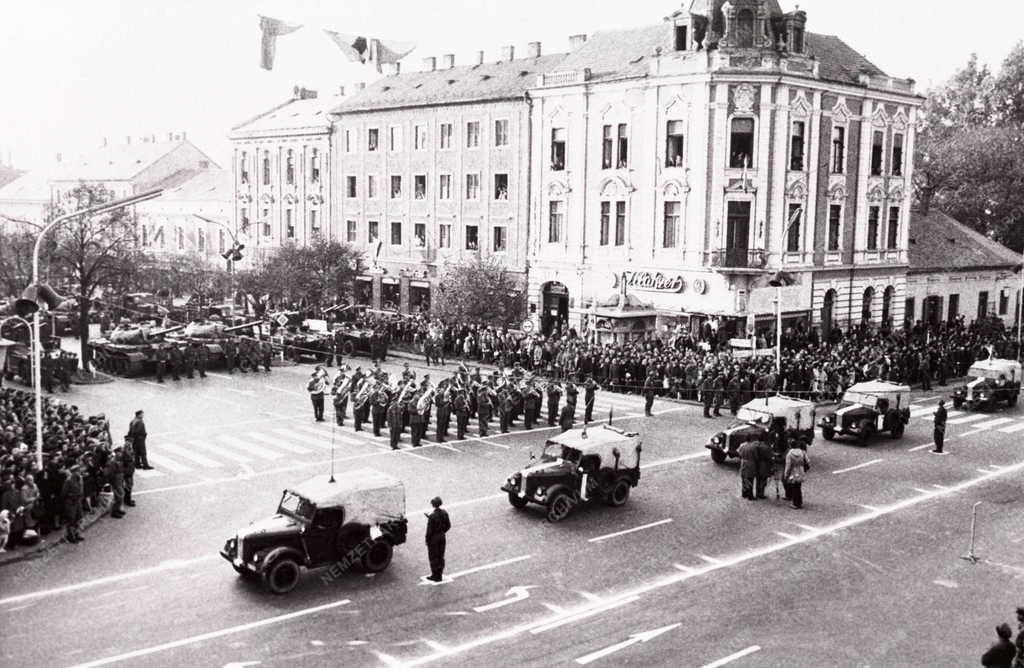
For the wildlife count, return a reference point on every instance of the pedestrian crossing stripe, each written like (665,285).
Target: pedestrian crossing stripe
(991,423)
(221,451)
(928,412)
(142,473)
(184,453)
(967,418)
(1012,429)
(256,450)
(279,443)
(164,463)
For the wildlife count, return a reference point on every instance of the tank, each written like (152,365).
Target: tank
(130,351)
(213,336)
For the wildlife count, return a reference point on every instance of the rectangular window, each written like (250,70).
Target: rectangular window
(201,241)
(793,223)
(741,142)
(472,238)
(472,134)
(419,234)
(419,186)
(444,236)
(873,214)
(314,222)
(606,223)
(982,304)
(351,189)
(680,38)
(444,187)
(372,139)
(395,138)
(371,187)
(908,309)
(396,234)
(472,186)
(1004,302)
(674,144)
(501,133)
(620,223)
(835,220)
(314,166)
(558,149)
(351,231)
(501,186)
(420,138)
(396,186)
(243,166)
(245,220)
(266,168)
(838,150)
(266,222)
(446,135)
(350,145)
(877,147)
(499,239)
(289,168)
(796,146)
(670,226)
(556,217)
(289,225)
(893,237)
(897,155)
(372,231)
(953,310)
(607,148)
(623,147)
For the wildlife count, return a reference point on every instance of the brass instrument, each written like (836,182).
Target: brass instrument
(425,400)
(405,388)
(365,392)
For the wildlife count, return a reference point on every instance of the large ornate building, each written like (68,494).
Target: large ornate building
(684,165)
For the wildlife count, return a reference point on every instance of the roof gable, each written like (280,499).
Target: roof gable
(938,242)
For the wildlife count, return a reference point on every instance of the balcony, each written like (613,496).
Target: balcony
(742,259)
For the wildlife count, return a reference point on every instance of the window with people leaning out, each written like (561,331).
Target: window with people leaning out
(501,186)
(558,149)
(472,240)
(615,147)
(741,143)
(674,144)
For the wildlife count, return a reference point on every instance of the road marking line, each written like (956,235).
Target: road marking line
(921,447)
(680,567)
(936,486)
(305,440)
(553,608)
(164,566)
(278,443)
(485,442)
(710,560)
(162,386)
(589,596)
(162,462)
(1013,429)
(184,453)
(575,617)
(434,645)
(922,491)
(733,657)
(212,634)
(809,529)
(448,447)
(598,539)
(260,452)
(405,451)
(222,451)
(971,433)
(858,466)
(921,412)
(967,418)
(674,460)
(487,567)
(785,535)
(867,507)
(219,375)
(142,473)
(984,470)
(992,423)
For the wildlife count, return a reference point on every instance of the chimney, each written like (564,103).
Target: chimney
(448,60)
(398,68)
(479,57)
(429,64)
(341,91)
(533,50)
(576,41)
(508,53)
(58,157)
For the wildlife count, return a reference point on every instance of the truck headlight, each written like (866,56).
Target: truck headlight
(540,491)
(716,440)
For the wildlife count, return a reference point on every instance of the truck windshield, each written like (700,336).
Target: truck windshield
(295,506)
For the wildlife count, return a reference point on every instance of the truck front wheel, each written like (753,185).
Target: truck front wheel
(828,433)
(378,557)
(282,576)
(517,501)
(717,456)
(560,507)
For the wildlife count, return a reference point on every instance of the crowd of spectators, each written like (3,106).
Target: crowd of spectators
(76,454)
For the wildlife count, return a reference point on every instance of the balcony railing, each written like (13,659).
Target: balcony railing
(738,258)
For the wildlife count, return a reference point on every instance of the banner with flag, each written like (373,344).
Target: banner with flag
(272,29)
(361,49)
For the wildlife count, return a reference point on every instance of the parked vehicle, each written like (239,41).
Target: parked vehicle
(867,409)
(992,381)
(780,421)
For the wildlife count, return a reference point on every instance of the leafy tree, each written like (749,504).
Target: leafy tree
(480,291)
(1009,93)
(15,261)
(92,253)
(182,275)
(317,275)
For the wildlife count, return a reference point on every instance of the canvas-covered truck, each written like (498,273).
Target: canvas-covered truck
(867,409)
(779,421)
(355,518)
(991,382)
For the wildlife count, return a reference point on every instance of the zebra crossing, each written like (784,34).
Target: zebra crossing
(220,452)
(974,421)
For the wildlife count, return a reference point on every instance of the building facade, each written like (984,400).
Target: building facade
(281,172)
(190,218)
(433,167)
(679,168)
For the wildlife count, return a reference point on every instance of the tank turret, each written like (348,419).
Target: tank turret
(140,335)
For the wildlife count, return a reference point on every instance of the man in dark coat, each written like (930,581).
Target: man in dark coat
(1001,654)
(483,410)
(128,466)
(589,395)
(650,390)
(554,395)
(566,418)
(707,394)
(765,464)
(438,524)
(137,434)
(443,404)
(748,468)
(939,430)
(460,404)
(114,472)
(71,502)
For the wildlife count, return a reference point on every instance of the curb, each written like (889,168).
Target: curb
(41,549)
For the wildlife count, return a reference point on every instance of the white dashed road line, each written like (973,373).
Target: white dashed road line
(598,539)
(858,466)
(733,657)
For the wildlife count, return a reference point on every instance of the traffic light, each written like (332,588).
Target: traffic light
(233,254)
(33,297)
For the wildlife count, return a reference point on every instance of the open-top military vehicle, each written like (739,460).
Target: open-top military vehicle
(867,409)
(357,517)
(130,350)
(579,465)
(779,421)
(992,381)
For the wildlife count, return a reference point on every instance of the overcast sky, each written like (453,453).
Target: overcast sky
(76,71)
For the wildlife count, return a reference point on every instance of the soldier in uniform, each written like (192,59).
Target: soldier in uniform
(176,362)
(483,409)
(571,395)
(444,412)
(567,417)
(718,388)
(460,404)
(416,419)
(379,409)
(734,391)
(589,395)
(424,388)
(46,373)
(505,407)
(357,409)
(267,355)
(531,405)
(128,466)
(161,362)
(202,359)
(394,419)
(554,395)
(650,390)
(340,392)
(707,392)
(189,361)
(230,351)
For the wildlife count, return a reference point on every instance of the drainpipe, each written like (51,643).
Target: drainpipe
(529,192)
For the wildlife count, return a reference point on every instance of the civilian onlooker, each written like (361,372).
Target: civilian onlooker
(1001,654)
(797,465)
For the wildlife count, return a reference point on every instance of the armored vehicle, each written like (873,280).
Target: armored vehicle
(780,421)
(867,409)
(357,517)
(992,381)
(130,350)
(577,466)
(213,335)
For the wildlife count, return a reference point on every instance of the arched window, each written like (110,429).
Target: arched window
(266,168)
(869,298)
(745,28)
(828,313)
(290,168)
(887,304)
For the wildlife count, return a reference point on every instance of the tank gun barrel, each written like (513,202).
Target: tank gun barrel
(235,328)
(168,330)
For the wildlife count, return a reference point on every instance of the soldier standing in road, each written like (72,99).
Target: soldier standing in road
(340,392)
(416,423)
(718,389)
(71,500)
(566,418)
(554,395)
(137,434)
(202,359)
(267,355)
(483,410)
(797,465)
(316,387)
(394,417)
(707,393)
(128,466)
(531,406)
(189,359)
(460,405)
(438,524)
(748,468)
(589,394)
(115,477)
(229,354)
(650,389)
(379,410)
(175,364)
(444,412)
(161,362)
(571,394)
(734,390)
(504,410)
(939,431)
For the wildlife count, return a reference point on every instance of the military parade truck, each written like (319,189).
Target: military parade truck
(580,465)
(357,517)
(867,409)
(779,421)
(992,381)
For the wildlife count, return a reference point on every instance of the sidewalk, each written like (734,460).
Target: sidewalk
(55,539)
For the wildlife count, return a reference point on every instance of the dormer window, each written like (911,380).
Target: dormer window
(745,28)
(796,44)
(681,35)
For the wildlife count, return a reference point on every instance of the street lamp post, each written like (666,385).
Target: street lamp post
(37,375)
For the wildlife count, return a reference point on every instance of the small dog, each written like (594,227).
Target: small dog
(5,528)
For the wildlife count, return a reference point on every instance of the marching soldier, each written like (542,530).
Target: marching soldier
(444,413)
(483,409)
(380,408)
(394,418)
(650,390)
(531,405)
(340,401)
(357,411)
(589,395)
(460,405)
(554,395)
(426,409)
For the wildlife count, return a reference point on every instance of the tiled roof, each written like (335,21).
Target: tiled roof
(839,61)
(490,81)
(32,186)
(938,242)
(116,162)
(211,185)
(292,115)
(8,174)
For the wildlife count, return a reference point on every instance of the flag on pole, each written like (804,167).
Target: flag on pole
(272,29)
(369,49)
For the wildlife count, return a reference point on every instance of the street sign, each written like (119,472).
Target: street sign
(527,326)
(282,319)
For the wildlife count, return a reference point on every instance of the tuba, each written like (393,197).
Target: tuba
(426,400)
(365,392)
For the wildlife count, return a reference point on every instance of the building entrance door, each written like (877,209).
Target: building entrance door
(555,304)
(931,310)
(737,234)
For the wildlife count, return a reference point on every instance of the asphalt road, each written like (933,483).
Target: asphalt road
(686,574)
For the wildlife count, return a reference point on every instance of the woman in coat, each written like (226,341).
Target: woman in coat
(797,465)
(29,501)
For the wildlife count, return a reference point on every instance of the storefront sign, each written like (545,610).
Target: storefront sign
(646,281)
